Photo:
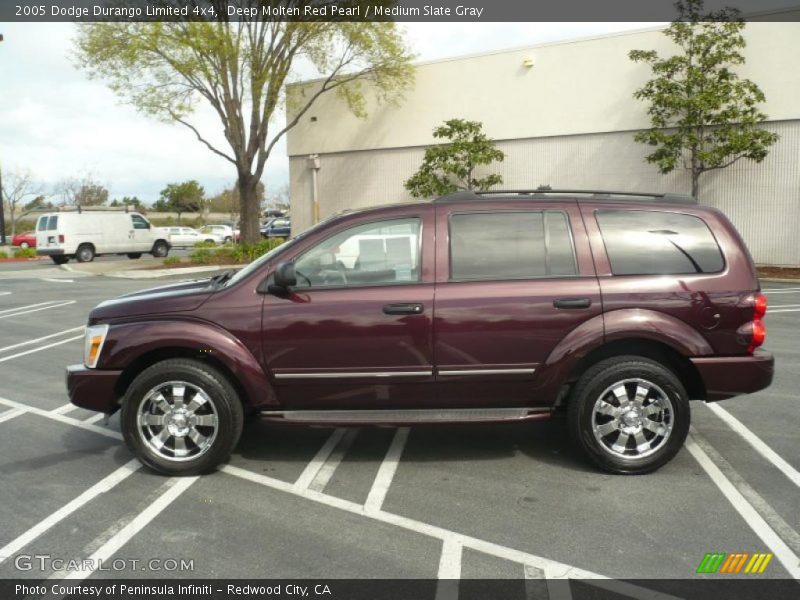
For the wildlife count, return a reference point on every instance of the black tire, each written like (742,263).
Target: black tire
(597,383)
(227,240)
(210,241)
(134,255)
(60,260)
(85,253)
(160,249)
(222,396)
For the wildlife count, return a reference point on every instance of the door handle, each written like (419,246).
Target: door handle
(407,308)
(572,303)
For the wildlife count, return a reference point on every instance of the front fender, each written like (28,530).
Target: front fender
(128,342)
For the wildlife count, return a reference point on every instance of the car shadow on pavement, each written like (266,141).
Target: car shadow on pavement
(546,441)
(73,446)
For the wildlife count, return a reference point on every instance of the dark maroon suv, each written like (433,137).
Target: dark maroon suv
(491,307)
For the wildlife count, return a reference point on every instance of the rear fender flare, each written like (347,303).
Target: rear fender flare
(633,323)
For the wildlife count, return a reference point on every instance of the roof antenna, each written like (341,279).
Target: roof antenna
(544,188)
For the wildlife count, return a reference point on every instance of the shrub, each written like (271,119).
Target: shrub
(163,221)
(201,257)
(3,254)
(24,253)
(172,260)
(231,253)
(205,244)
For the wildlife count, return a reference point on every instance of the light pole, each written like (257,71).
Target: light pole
(2,202)
(2,212)
(314,165)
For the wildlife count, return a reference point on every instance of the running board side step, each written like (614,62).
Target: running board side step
(408,416)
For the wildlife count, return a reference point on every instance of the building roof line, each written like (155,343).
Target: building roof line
(511,50)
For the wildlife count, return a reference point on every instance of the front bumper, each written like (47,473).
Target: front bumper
(729,376)
(92,389)
(49,251)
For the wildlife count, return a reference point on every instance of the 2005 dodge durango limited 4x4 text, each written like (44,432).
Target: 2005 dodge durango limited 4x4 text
(489,307)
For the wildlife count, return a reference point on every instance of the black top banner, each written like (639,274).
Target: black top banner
(378,10)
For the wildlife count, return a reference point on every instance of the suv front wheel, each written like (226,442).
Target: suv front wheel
(181,417)
(629,414)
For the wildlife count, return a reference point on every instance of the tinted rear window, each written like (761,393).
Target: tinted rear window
(53,223)
(510,245)
(658,243)
(42,224)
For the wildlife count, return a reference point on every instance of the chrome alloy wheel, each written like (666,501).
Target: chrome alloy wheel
(632,419)
(177,421)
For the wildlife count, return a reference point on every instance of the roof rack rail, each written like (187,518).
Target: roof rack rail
(590,195)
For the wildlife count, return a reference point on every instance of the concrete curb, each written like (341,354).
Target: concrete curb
(774,280)
(156,273)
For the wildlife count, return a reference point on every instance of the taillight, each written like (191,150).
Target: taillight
(759,331)
(61,238)
(760,307)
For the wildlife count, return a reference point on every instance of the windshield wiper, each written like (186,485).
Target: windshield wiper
(218,280)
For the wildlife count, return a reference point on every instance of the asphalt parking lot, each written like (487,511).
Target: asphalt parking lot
(511,501)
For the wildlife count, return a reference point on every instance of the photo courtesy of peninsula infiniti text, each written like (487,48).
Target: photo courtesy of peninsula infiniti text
(616,309)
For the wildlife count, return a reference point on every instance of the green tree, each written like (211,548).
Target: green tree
(91,194)
(240,69)
(228,200)
(182,197)
(703,115)
(38,203)
(81,192)
(17,185)
(161,205)
(129,201)
(450,167)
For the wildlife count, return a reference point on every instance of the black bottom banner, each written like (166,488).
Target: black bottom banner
(403,589)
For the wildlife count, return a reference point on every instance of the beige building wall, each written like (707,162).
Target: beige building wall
(568,121)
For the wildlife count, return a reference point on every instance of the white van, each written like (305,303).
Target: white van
(84,235)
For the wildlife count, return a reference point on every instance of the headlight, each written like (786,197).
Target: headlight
(93,344)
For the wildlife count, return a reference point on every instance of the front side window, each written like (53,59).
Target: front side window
(642,242)
(381,253)
(510,245)
(139,222)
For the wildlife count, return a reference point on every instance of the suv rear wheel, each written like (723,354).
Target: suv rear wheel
(630,414)
(181,417)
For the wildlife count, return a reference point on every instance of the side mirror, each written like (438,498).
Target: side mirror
(284,275)
(280,282)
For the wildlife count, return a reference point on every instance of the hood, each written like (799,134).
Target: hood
(176,297)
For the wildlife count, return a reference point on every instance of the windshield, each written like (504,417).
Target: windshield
(257,263)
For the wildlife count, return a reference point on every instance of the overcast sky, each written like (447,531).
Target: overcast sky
(57,123)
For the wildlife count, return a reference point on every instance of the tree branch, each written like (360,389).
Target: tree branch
(202,139)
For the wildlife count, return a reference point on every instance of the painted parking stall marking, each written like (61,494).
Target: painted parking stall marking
(10,414)
(7,314)
(41,339)
(387,471)
(61,418)
(39,349)
(175,487)
(757,443)
(316,464)
(104,485)
(755,521)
